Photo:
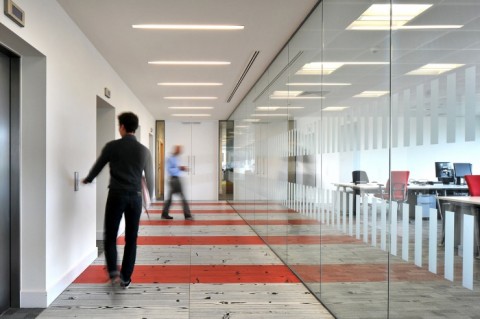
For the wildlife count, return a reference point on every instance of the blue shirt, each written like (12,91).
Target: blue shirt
(172,166)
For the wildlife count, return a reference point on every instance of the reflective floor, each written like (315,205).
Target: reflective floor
(212,267)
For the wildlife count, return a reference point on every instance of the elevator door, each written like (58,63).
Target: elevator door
(4,182)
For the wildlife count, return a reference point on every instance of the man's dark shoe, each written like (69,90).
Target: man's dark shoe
(188,217)
(124,284)
(165,216)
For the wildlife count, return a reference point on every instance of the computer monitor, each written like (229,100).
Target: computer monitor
(444,172)
(462,169)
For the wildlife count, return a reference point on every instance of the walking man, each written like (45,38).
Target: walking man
(174,171)
(128,159)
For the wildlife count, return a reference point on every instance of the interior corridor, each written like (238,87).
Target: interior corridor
(212,267)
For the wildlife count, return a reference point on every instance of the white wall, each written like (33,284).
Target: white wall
(58,238)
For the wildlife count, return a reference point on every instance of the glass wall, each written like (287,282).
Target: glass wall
(344,153)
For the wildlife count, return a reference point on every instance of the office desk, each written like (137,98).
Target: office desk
(473,202)
(359,189)
(413,190)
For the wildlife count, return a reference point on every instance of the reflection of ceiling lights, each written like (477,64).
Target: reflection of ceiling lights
(325,68)
(241,126)
(187,27)
(371,94)
(318,84)
(275,108)
(189,62)
(319,68)
(335,108)
(190,98)
(192,115)
(277,95)
(434,69)
(269,115)
(384,17)
(190,107)
(189,84)
(251,120)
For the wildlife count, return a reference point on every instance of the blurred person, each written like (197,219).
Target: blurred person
(128,159)
(174,171)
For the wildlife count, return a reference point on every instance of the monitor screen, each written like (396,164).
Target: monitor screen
(462,169)
(444,172)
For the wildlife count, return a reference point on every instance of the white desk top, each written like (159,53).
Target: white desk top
(472,200)
(437,186)
(362,187)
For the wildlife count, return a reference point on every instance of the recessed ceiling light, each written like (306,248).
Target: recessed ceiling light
(187,27)
(325,68)
(335,108)
(317,84)
(372,94)
(275,108)
(189,84)
(189,62)
(191,107)
(278,114)
(434,69)
(386,15)
(192,115)
(190,98)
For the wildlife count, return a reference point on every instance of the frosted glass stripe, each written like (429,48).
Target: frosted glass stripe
(357,220)
(406,117)
(395,120)
(449,244)
(374,223)
(375,110)
(434,109)
(405,233)
(350,214)
(432,240)
(344,219)
(383,240)
(365,219)
(451,107)
(384,132)
(393,228)
(470,104)
(468,240)
(418,236)
(420,114)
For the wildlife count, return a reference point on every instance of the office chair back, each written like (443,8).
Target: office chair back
(473,182)
(397,184)
(359,177)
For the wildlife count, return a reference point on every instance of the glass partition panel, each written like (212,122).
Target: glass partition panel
(435,62)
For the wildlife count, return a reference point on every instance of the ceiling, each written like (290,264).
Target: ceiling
(268,24)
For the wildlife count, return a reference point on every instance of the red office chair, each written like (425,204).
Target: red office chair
(473,182)
(396,188)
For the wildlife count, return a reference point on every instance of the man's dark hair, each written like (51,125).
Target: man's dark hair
(129,121)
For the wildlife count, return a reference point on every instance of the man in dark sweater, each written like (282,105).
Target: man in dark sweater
(128,160)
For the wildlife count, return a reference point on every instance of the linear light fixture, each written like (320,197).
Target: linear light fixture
(317,84)
(192,115)
(190,98)
(275,108)
(434,69)
(189,62)
(372,94)
(278,114)
(191,107)
(407,27)
(251,120)
(335,108)
(189,84)
(241,126)
(187,27)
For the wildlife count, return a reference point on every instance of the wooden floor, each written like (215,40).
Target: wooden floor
(212,267)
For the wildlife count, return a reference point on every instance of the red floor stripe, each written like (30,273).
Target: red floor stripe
(310,240)
(196,240)
(195,203)
(181,222)
(363,273)
(197,274)
(194,211)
